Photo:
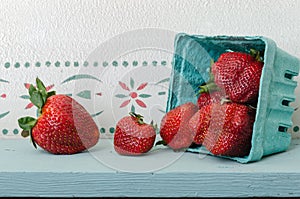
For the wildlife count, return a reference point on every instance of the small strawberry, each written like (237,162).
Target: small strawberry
(239,75)
(133,136)
(63,125)
(224,129)
(174,126)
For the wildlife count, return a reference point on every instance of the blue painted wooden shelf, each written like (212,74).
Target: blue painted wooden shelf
(100,172)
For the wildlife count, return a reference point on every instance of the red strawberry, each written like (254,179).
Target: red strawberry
(239,75)
(225,129)
(206,98)
(174,126)
(133,136)
(209,92)
(63,125)
(197,127)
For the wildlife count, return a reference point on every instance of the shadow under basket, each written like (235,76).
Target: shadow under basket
(190,68)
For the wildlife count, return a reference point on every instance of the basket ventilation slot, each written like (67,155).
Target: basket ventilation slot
(282,129)
(289,75)
(285,102)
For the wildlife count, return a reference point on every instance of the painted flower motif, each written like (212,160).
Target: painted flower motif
(27,85)
(3,95)
(133,94)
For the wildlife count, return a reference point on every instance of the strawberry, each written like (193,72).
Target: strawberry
(206,98)
(196,125)
(63,125)
(239,75)
(209,92)
(225,129)
(133,136)
(174,129)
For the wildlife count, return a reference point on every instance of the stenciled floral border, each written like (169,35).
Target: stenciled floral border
(133,93)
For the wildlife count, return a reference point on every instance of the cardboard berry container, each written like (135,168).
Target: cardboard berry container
(190,68)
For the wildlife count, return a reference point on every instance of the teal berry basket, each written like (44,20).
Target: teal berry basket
(190,68)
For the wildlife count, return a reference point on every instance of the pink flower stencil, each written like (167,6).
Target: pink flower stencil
(133,94)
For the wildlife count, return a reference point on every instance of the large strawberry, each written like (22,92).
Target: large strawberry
(174,128)
(239,75)
(133,136)
(224,129)
(63,125)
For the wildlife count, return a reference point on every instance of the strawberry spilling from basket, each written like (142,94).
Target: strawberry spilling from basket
(224,129)
(174,128)
(224,121)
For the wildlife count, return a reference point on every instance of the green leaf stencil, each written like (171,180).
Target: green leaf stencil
(80,76)
(4,114)
(96,114)
(163,81)
(86,94)
(5,81)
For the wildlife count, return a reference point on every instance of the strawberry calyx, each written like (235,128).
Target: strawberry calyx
(27,123)
(161,142)
(140,120)
(38,96)
(137,117)
(257,55)
(208,87)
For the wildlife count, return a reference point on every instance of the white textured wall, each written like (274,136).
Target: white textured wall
(71,29)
